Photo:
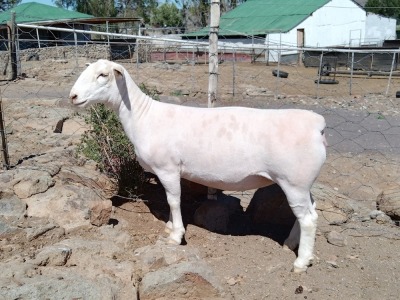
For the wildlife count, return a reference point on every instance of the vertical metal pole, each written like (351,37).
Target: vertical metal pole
(76,48)
(351,72)
(390,75)
(38,37)
(108,37)
(279,64)
(319,72)
(234,73)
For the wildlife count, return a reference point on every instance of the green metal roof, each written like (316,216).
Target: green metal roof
(37,12)
(255,17)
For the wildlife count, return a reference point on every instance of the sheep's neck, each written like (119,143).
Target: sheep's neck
(134,103)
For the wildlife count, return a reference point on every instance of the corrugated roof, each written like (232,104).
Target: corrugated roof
(36,12)
(255,17)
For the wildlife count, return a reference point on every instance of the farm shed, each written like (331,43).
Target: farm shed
(46,15)
(288,24)
(41,14)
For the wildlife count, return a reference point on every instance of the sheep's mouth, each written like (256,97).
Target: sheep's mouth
(80,103)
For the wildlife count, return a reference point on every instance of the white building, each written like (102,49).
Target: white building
(289,24)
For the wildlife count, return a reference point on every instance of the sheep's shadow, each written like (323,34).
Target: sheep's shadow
(267,214)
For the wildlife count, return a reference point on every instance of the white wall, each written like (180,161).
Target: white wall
(338,23)
(379,28)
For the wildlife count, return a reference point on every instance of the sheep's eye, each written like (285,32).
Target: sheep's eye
(102,75)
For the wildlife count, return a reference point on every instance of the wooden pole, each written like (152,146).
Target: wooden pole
(213,65)
(213,53)
(4,148)
(12,47)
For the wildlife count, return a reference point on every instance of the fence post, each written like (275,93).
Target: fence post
(234,73)
(213,66)
(351,72)
(12,47)
(390,75)
(319,72)
(4,148)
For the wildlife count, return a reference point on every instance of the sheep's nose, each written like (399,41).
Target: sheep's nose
(73,97)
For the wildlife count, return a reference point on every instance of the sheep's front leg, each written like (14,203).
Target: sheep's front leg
(174,226)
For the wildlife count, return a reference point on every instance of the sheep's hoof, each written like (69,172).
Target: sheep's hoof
(298,270)
(173,242)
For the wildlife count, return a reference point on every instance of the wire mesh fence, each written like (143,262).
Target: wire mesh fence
(355,95)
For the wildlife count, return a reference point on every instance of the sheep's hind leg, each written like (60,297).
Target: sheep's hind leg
(174,226)
(168,225)
(293,240)
(302,207)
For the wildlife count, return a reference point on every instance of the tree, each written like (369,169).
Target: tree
(97,8)
(137,8)
(166,15)
(7,4)
(388,8)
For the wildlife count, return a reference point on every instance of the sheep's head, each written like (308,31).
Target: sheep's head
(97,84)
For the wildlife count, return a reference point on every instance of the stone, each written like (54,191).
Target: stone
(31,182)
(7,228)
(383,219)
(162,254)
(389,202)
(188,280)
(69,206)
(53,256)
(269,205)
(60,284)
(100,212)
(11,206)
(91,178)
(334,207)
(336,238)
(375,213)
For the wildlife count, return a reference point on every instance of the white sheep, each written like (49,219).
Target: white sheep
(229,148)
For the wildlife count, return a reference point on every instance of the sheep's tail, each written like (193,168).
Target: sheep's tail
(324,141)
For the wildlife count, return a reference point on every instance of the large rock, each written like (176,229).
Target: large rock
(186,280)
(71,206)
(11,206)
(31,182)
(334,207)
(175,272)
(90,178)
(19,280)
(389,202)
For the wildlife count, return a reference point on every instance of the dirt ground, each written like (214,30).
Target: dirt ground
(249,261)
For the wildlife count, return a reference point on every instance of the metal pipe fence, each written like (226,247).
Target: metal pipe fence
(358,100)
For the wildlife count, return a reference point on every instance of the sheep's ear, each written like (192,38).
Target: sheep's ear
(118,71)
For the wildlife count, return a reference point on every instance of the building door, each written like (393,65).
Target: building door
(300,44)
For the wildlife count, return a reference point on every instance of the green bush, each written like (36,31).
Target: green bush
(107,144)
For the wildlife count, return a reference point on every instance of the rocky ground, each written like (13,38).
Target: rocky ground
(65,235)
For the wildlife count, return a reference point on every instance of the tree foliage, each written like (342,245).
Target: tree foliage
(7,4)
(388,8)
(167,15)
(97,8)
